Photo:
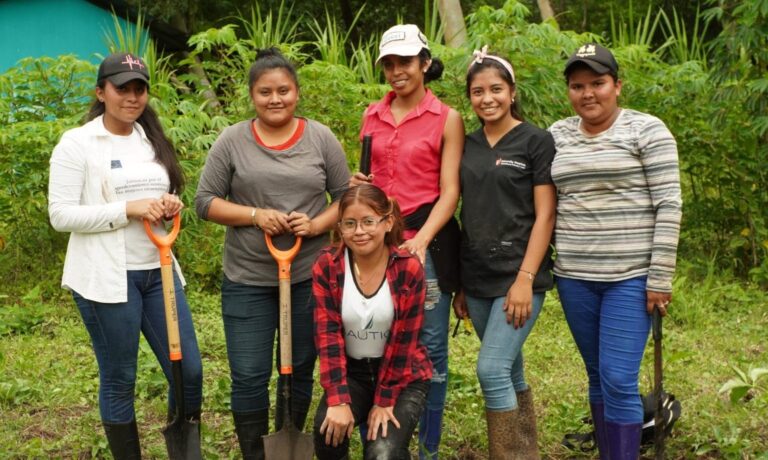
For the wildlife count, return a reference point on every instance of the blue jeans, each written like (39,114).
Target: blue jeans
(434,335)
(114,329)
(251,323)
(500,362)
(610,325)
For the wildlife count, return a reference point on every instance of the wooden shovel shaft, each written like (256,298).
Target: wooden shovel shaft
(171,313)
(658,381)
(286,352)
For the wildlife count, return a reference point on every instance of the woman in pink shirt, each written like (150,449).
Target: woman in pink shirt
(415,154)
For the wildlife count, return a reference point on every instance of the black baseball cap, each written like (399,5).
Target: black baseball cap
(596,57)
(120,68)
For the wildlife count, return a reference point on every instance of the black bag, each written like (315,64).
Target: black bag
(671,409)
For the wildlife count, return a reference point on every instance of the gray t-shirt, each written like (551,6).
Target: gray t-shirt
(241,171)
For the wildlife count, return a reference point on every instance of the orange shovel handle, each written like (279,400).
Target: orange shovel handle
(164,243)
(283,258)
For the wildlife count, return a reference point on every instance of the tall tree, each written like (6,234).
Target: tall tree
(455,29)
(546,9)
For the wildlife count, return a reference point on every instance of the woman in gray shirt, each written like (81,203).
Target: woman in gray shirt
(270,175)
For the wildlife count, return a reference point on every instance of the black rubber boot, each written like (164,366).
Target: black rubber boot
(123,440)
(250,427)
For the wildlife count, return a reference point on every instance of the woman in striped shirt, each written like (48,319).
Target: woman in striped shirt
(616,233)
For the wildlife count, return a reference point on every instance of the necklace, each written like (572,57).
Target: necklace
(375,273)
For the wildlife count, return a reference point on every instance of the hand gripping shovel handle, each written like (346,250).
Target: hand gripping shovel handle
(284,259)
(658,380)
(164,244)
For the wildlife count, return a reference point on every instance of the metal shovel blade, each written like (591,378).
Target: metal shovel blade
(182,439)
(288,444)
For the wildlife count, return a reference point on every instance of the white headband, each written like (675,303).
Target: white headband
(481,54)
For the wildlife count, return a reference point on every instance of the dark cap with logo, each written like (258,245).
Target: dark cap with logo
(596,57)
(120,68)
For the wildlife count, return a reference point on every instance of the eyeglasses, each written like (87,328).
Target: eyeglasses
(368,224)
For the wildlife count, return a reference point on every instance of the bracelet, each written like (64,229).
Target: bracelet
(530,274)
(253,218)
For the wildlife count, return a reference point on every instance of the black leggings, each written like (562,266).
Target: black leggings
(361,379)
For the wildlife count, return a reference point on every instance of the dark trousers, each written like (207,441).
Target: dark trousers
(361,379)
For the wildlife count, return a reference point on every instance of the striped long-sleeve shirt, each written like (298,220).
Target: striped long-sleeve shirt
(619,203)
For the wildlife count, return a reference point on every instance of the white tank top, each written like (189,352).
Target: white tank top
(367,320)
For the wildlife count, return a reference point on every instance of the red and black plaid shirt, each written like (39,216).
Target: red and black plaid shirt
(405,358)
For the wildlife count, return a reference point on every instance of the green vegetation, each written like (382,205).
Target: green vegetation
(48,381)
(712,93)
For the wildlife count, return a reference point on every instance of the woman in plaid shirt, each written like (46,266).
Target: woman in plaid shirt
(370,309)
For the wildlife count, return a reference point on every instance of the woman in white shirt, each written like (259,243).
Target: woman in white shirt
(106,177)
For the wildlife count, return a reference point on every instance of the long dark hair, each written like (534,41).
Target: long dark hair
(270,59)
(165,153)
(478,67)
(375,198)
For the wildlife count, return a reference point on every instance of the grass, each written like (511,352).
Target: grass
(48,381)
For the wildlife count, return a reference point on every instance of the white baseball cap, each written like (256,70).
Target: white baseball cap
(402,40)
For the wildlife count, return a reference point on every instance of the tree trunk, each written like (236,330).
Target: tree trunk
(182,23)
(546,10)
(454,28)
(348,16)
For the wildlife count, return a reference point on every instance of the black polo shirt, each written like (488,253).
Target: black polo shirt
(497,211)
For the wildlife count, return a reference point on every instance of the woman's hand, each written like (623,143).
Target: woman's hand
(378,418)
(301,224)
(339,423)
(658,300)
(360,178)
(272,222)
(517,304)
(151,209)
(416,246)
(460,305)
(172,205)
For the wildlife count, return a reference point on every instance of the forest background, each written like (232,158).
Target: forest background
(700,67)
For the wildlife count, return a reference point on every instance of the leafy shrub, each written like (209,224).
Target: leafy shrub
(24,316)
(715,115)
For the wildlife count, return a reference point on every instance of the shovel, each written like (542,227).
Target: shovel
(182,436)
(658,388)
(288,443)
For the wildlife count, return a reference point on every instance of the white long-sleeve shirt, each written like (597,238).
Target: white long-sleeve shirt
(82,200)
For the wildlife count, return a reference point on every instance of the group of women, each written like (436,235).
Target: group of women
(375,306)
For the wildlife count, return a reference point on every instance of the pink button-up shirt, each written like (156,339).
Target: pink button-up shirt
(405,157)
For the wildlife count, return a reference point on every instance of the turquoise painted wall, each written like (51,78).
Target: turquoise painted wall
(52,28)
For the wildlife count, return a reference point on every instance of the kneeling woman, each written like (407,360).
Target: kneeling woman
(370,308)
